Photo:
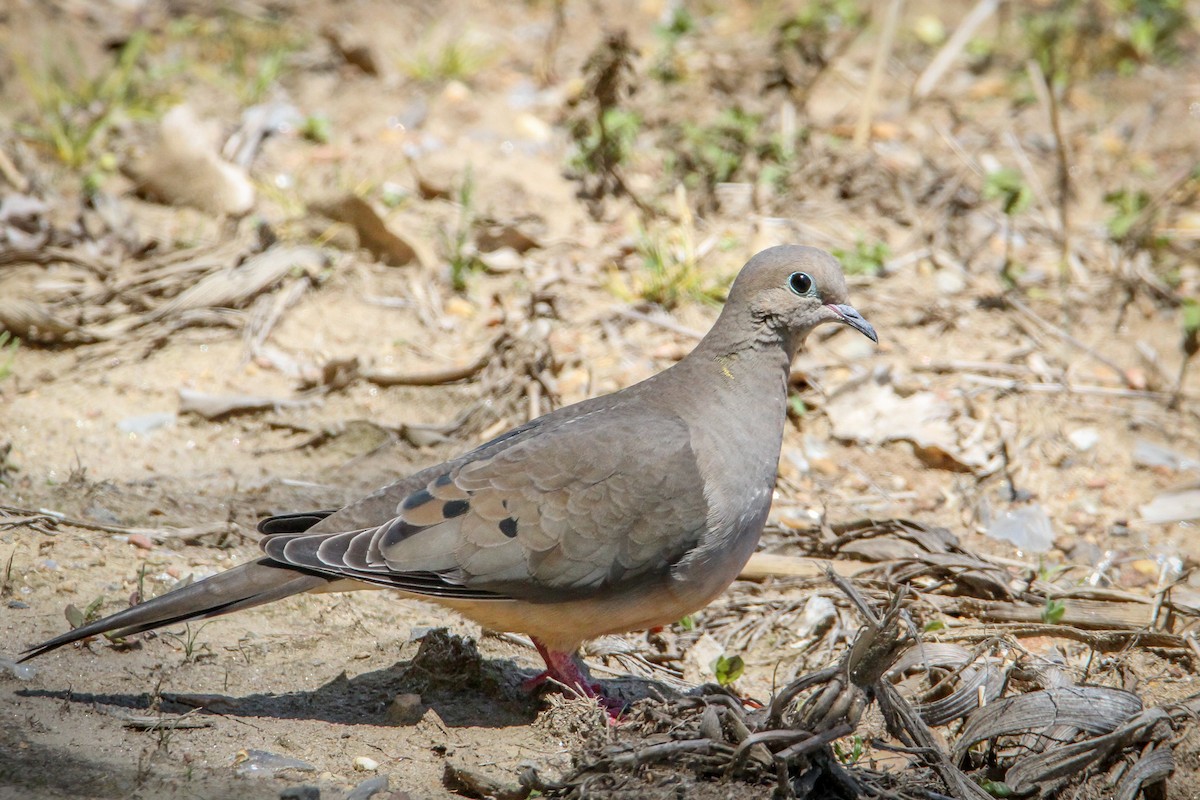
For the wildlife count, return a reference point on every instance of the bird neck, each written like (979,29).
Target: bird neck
(747,357)
(748,371)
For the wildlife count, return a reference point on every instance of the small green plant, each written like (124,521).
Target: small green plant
(1151,31)
(605,143)
(1190,346)
(317,128)
(852,754)
(1007,186)
(6,581)
(245,55)
(188,640)
(671,271)
(77,618)
(393,195)
(688,623)
(808,42)
(668,66)
(265,73)
(1191,326)
(796,406)
(1071,39)
(996,788)
(1049,572)
(934,625)
(1128,222)
(867,258)
(460,250)
(77,112)
(679,25)
(733,147)
(602,128)
(140,593)
(728,669)
(9,345)
(714,153)
(1052,38)
(252,53)
(458,59)
(1053,611)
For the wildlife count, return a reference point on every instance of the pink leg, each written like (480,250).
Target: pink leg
(564,668)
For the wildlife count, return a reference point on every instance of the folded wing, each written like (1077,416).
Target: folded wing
(589,504)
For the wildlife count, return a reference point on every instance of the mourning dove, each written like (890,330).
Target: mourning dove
(616,514)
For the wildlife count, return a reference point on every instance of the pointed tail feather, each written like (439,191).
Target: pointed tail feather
(244,586)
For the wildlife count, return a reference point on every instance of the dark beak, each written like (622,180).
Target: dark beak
(854,320)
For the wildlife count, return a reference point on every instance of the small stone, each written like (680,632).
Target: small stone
(305,792)
(406,709)
(184,167)
(503,259)
(22,672)
(365,764)
(949,281)
(1026,526)
(368,788)
(533,128)
(456,92)
(1155,456)
(146,424)
(1145,566)
(1084,439)
(18,604)
(261,762)
(459,307)
(141,540)
(929,29)
(697,661)
(101,514)
(819,615)
(354,47)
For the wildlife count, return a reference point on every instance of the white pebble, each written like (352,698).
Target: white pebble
(1084,439)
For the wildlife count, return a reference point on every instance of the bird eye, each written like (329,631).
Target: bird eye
(800,283)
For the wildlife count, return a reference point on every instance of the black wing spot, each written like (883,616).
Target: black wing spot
(508,526)
(455,508)
(418,498)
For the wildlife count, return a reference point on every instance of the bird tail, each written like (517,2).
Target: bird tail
(250,584)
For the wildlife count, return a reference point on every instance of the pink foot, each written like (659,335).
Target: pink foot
(565,669)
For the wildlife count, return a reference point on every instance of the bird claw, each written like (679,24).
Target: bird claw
(564,670)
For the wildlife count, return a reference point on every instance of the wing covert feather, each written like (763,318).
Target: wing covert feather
(586,505)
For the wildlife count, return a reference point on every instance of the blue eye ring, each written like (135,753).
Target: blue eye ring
(800,283)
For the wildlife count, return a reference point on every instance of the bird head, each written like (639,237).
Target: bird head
(790,290)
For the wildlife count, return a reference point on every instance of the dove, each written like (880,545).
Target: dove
(619,513)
